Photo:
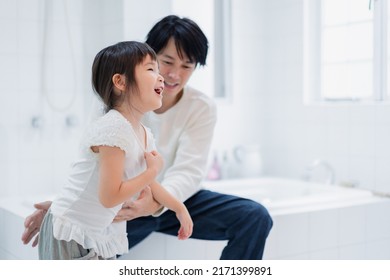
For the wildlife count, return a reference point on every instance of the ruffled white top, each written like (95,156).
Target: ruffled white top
(77,212)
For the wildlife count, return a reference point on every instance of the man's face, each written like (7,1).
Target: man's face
(176,71)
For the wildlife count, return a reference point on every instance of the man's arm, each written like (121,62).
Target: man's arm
(145,205)
(182,179)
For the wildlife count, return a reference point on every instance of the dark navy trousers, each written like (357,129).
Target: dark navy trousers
(243,222)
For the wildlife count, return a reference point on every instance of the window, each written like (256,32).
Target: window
(222,29)
(345,50)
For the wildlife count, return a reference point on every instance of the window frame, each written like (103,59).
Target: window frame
(312,56)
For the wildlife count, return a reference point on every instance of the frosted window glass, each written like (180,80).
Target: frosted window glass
(346,49)
(334,44)
(360,41)
(334,81)
(347,80)
(388,49)
(360,79)
(335,11)
(352,42)
(359,10)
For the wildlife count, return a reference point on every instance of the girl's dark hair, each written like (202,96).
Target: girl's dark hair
(121,58)
(189,38)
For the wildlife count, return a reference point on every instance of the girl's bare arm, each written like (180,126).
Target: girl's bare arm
(165,198)
(114,191)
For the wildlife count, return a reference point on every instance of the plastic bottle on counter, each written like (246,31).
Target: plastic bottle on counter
(215,170)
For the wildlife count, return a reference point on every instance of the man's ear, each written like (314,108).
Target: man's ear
(119,82)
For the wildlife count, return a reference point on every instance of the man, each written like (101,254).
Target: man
(183,128)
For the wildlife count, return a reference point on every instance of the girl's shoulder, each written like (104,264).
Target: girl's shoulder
(111,129)
(111,121)
(111,117)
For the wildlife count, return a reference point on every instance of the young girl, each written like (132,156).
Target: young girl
(117,160)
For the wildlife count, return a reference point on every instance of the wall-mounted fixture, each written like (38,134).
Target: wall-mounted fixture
(71,121)
(37,122)
(321,171)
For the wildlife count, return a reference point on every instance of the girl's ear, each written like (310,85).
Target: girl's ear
(119,82)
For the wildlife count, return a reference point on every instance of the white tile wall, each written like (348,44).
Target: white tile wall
(352,229)
(35,157)
(354,232)
(378,219)
(378,250)
(353,138)
(152,248)
(323,230)
(353,252)
(161,246)
(325,254)
(292,234)
(382,175)
(10,241)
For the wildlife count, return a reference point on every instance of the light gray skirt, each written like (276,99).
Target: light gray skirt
(49,248)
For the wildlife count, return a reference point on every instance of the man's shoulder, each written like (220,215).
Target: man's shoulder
(197,95)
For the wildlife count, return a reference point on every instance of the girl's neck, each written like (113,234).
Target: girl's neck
(132,115)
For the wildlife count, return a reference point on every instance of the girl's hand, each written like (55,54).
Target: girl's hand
(186,224)
(154,161)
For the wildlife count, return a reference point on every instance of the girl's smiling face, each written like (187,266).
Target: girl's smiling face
(150,84)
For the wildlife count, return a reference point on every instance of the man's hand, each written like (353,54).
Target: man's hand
(33,223)
(145,205)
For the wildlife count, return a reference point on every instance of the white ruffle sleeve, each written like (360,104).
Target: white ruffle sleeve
(110,130)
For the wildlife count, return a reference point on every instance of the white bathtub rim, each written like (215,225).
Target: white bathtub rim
(337,197)
(23,206)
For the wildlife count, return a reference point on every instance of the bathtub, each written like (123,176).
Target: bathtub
(286,196)
(311,221)
(317,221)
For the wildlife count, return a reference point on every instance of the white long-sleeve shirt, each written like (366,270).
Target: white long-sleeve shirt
(183,136)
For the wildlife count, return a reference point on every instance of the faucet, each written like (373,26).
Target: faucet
(37,122)
(316,164)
